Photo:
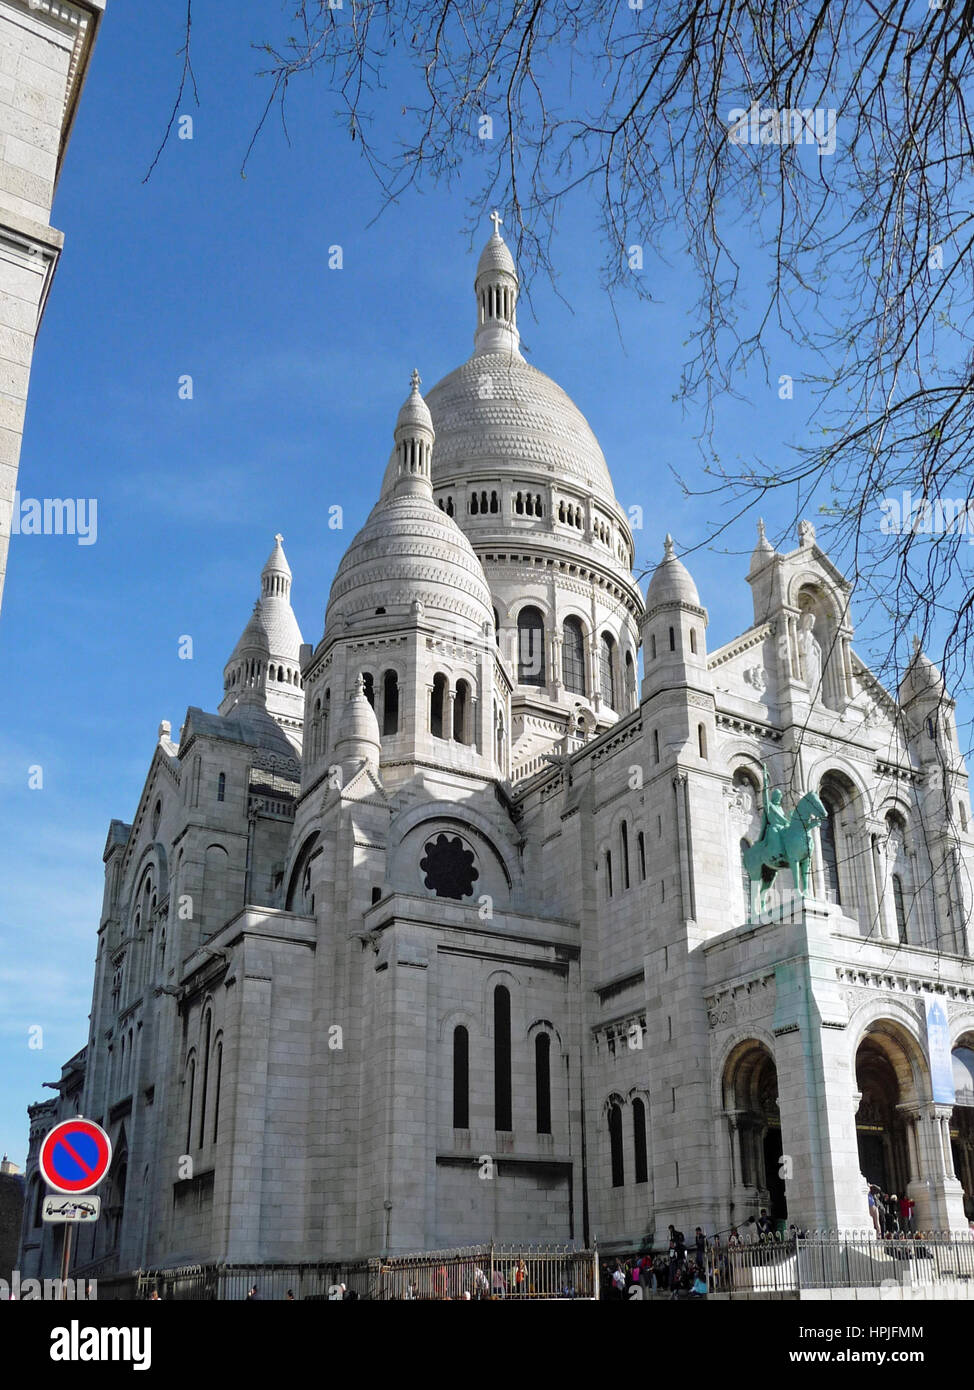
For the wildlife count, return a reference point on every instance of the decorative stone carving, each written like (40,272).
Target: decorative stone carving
(757,678)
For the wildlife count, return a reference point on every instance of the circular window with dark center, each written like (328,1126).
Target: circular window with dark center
(449,867)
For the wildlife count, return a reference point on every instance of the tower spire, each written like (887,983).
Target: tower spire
(496,287)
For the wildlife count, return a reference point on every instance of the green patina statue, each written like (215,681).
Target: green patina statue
(785,842)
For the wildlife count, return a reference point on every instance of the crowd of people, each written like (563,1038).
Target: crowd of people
(890,1215)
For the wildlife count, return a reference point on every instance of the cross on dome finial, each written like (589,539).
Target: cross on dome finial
(415,379)
(497,220)
(279,538)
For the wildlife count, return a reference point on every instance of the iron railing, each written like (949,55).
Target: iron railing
(477,1272)
(837,1260)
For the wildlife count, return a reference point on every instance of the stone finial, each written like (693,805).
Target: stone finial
(165,730)
(668,552)
(806,533)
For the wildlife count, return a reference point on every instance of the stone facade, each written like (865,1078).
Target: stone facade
(45,49)
(430,937)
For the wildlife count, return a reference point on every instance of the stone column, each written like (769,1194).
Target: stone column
(938,1195)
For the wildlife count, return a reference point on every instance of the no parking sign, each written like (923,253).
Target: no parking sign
(75,1156)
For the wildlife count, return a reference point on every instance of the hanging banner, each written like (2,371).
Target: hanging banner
(938,1050)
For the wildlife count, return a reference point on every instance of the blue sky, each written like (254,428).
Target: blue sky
(298,372)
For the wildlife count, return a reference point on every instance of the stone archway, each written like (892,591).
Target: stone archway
(881,1129)
(750,1103)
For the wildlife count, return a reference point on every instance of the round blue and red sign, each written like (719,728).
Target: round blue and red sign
(75,1156)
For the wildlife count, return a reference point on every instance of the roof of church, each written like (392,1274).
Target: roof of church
(245,724)
(272,629)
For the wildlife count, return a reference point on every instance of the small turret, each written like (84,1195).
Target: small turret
(674,642)
(496,287)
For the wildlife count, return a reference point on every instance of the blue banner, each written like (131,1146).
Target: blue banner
(938,1050)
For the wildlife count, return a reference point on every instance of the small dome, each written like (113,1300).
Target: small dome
(409,549)
(358,733)
(496,257)
(922,677)
(272,629)
(415,412)
(671,582)
(409,552)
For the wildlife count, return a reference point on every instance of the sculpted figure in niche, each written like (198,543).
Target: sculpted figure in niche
(811,654)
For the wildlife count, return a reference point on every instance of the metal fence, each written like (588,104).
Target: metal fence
(477,1272)
(491,1271)
(840,1260)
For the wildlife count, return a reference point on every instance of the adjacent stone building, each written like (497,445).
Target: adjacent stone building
(438,931)
(45,50)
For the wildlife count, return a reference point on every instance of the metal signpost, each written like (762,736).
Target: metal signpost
(75,1156)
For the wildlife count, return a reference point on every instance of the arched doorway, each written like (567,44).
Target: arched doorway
(886,1078)
(962,1120)
(750,1094)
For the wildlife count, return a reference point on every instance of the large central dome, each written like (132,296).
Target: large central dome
(498,413)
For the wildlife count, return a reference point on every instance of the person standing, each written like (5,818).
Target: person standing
(907,1206)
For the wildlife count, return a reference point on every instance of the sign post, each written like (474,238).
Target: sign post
(74,1157)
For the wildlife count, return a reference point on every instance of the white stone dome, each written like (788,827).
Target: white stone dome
(409,551)
(671,583)
(497,412)
(495,256)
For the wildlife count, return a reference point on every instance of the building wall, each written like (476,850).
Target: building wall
(45,49)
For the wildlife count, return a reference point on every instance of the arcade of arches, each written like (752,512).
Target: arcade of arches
(906,1143)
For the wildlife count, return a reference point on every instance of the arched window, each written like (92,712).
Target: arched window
(639,1141)
(630,680)
(641,851)
(461,1078)
(542,1082)
(608,873)
(497,628)
(615,1145)
(693,640)
(474,504)
(656,745)
(390,703)
(530,647)
(39,1195)
(221,787)
(573,656)
(216,1090)
(830,856)
(899,907)
(437,700)
(494,504)
(190,1092)
(502,1058)
(461,706)
(369,684)
(672,640)
(207,1031)
(624,836)
(607,673)
(745,879)
(702,740)
(652,646)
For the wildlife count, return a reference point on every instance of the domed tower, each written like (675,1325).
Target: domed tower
(264,670)
(928,709)
(674,628)
(516,465)
(410,614)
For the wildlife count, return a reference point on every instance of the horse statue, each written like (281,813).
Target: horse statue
(785,842)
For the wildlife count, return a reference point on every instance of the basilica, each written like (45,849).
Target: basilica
(438,930)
